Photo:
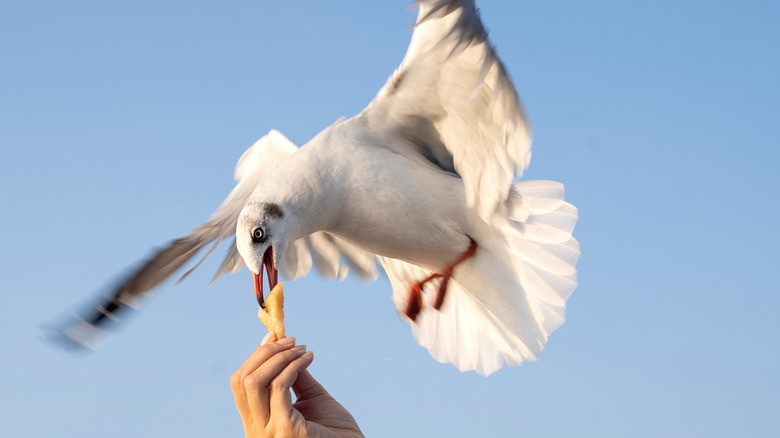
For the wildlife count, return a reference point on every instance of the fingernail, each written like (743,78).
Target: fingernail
(267,338)
(286,341)
(308,355)
(299,349)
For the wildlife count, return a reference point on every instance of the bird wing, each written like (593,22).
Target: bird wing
(322,250)
(256,162)
(326,253)
(452,99)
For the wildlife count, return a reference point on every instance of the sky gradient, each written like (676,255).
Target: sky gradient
(120,125)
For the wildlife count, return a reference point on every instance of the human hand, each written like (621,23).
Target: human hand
(261,387)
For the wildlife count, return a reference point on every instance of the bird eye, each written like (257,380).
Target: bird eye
(257,235)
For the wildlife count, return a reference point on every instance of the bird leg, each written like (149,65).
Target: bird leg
(414,306)
(415,297)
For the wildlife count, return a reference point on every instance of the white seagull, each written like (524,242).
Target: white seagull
(424,180)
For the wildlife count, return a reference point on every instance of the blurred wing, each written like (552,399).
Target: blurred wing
(330,255)
(452,99)
(257,162)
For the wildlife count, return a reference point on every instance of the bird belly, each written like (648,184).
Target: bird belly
(405,209)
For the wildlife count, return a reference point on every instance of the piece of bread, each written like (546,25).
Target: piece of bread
(272,316)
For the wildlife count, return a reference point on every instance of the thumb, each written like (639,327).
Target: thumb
(306,386)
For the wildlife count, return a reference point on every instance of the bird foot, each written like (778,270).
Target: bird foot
(414,306)
(415,303)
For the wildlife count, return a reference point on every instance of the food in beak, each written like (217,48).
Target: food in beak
(272,314)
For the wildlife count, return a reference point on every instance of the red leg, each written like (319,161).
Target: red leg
(447,274)
(415,296)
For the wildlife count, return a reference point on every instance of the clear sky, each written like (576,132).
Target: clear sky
(120,125)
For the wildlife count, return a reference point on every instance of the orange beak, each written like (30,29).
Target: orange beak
(273,276)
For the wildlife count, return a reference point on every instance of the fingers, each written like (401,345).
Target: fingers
(306,387)
(258,382)
(260,355)
(257,357)
(261,386)
(263,352)
(281,400)
(268,338)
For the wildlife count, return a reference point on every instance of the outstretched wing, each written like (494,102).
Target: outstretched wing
(452,99)
(325,252)
(257,162)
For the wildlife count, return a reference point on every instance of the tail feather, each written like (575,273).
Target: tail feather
(503,303)
(455,334)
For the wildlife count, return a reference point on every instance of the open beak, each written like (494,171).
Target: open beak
(273,276)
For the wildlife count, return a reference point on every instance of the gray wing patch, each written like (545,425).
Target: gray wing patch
(112,307)
(257,162)
(426,141)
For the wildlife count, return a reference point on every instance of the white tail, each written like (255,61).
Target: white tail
(503,303)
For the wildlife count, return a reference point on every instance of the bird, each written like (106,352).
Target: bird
(426,182)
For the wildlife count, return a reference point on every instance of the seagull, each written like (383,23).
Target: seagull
(426,182)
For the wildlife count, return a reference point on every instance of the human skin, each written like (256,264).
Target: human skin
(261,387)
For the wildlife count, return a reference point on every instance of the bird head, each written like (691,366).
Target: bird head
(261,239)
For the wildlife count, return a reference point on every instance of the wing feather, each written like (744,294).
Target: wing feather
(259,160)
(331,256)
(452,78)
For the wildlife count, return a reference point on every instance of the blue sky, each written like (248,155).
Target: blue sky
(120,125)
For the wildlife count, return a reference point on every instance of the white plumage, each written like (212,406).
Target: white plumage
(430,165)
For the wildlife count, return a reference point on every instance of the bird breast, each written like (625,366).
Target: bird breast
(400,206)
